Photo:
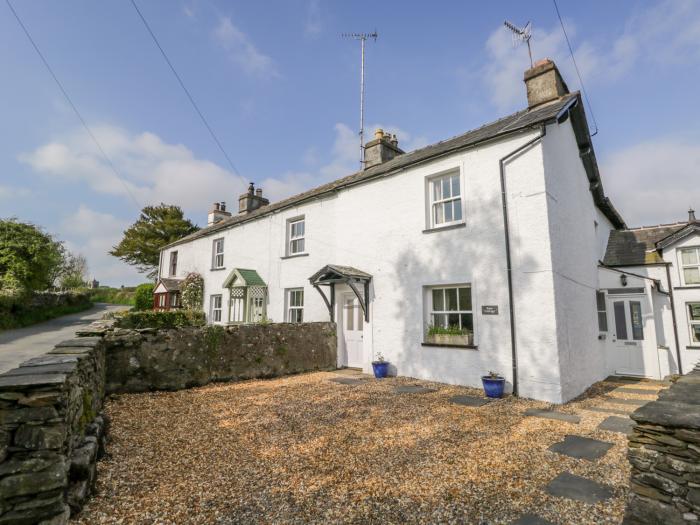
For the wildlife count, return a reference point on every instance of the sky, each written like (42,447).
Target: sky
(280,88)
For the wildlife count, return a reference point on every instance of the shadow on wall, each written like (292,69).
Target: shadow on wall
(473,255)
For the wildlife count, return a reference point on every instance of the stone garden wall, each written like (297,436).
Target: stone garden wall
(664,450)
(51,432)
(139,360)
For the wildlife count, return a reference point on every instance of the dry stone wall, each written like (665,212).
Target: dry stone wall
(139,360)
(664,450)
(51,432)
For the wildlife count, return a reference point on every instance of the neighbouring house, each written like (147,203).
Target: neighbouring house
(493,250)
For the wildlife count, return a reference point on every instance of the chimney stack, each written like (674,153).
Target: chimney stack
(382,148)
(251,200)
(691,215)
(544,83)
(218,213)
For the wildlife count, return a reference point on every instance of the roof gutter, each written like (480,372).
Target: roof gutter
(509,266)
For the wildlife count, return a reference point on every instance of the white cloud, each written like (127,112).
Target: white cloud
(13,192)
(93,234)
(654,182)
(665,33)
(313,25)
(152,170)
(242,51)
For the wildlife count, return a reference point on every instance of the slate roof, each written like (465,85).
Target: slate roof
(343,271)
(518,121)
(172,285)
(250,277)
(637,246)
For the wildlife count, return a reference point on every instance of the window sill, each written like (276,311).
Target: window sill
(443,345)
(445,228)
(295,256)
(217,269)
(688,287)
(692,347)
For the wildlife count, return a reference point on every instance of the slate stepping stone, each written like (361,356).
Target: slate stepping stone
(551,414)
(469,401)
(630,390)
(581,447)
(348,381)
(414,389)
(531,519)
(609,410)
(630,402)
(566,485)
(617,424)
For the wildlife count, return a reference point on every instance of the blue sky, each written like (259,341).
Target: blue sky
(280,88)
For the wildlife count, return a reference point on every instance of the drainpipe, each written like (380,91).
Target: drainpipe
(673,316)
(504,203)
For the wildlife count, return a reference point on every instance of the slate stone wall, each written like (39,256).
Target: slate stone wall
(51,432)
(140,360)
(664,450)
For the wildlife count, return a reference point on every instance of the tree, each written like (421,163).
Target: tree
(30,259)
(143,297)
(156,227)
(75,271)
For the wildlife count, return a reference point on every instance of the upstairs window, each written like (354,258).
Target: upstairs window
(173,263)
(218,254)
(295,305)
(690,265)
(296,232)
(694,321)
(602,312)
(445,200)
(215,311)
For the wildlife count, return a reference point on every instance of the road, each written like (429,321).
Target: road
(21,344)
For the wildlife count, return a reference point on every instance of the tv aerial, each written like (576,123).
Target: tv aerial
(520,35)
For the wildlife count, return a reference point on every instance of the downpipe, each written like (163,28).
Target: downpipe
(509,267)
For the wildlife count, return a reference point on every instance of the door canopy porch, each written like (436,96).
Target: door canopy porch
(333,274)
(247,296)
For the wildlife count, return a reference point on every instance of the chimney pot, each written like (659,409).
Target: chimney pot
(378,133)
(544,83)
(258,192)
(216,205)
(223,206)
(691,215)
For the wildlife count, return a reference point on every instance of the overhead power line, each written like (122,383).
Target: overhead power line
(73,106)
(578,73)
(184,88)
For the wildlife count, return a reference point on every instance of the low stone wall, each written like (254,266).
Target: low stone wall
(139,360)
(51,432)
(664,450)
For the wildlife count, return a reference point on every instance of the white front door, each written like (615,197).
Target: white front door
(630,340)
(352,323)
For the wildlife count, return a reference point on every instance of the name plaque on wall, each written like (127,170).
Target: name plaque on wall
(489,309)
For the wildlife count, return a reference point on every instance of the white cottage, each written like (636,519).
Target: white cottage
(482,252)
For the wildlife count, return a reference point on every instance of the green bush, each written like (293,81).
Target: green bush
(38,307)
(105,294)
(164,319)
(143,297)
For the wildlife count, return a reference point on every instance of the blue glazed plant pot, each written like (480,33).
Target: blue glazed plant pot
(493,386)
(381,368)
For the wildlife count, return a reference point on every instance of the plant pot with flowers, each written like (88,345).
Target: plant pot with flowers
(449,335)
(493,384)
(380,367)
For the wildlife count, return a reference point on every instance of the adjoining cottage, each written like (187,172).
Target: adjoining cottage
(493,250)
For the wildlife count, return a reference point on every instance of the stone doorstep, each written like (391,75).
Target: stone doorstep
(413,389)
(567,485)
(631,390)
(552,414)
(580,447)
(470,401)
(623,425)
(531,519)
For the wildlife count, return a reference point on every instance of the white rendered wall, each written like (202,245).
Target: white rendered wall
(378,227)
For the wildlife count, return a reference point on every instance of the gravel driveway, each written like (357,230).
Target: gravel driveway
(304,449)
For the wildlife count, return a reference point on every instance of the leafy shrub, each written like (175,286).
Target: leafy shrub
(143,297)
(164,319)
(450,330)
(105,294)
(30,309)
(192,291)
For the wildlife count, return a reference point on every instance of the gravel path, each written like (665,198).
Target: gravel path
(303,449)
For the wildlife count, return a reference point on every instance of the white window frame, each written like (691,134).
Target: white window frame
(439,202)
(684,267)
(431,311)
(692,323)
(296,238)
(291,310)
(217,253)
(601,300)
(213,309)
(172,268)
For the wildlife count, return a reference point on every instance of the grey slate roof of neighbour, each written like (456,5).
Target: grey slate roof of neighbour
(638,246)
(519,121)
(172,285)
(343,271)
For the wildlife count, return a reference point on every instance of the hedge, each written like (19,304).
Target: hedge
(143,297)
(164,319)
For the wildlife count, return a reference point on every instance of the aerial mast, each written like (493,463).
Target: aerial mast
(362,37)
(521,34)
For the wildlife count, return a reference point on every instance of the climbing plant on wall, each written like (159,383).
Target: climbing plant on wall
(192,291)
